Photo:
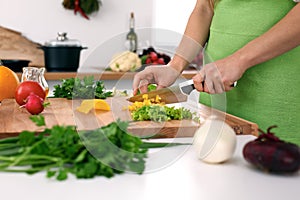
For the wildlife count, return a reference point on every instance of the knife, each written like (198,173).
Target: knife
(173,94)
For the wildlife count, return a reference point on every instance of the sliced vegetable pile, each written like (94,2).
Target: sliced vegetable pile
(75,88)
(159,113)
(155,110)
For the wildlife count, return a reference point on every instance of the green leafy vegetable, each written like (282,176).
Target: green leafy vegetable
(61,150)
(87,88)
(39,120)
(160,113)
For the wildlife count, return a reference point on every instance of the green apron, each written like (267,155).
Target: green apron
(268,93)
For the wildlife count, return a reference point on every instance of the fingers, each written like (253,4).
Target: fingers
(163,76)
(136,81)
(199,81)
(230,86)
(142,86)
(160,87)
(215,85)
(209,80)
(141,81)
(219,87)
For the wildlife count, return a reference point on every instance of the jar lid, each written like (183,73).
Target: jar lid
(63,40)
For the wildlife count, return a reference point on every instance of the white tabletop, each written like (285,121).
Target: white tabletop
(182,177)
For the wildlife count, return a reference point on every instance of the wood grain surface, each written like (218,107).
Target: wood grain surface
(103,75)
(14,45)
(14,119)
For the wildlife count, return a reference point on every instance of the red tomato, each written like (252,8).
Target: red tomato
(153,56)
(161,61)
(148,61)
(25,88)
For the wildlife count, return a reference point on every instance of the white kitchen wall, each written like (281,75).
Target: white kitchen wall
(172,14)
(40,20)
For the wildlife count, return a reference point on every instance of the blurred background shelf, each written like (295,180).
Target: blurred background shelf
(104,75)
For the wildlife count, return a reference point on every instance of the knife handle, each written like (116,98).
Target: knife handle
(232,85)
(188,86)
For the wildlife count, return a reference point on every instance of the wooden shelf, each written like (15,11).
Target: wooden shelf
(105,75)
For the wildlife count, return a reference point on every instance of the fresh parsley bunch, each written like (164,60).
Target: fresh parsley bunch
(76,88)
(60,151)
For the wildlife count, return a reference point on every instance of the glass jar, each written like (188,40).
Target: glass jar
(35,74)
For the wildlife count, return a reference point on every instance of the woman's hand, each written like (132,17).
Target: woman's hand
(163,76)
(219,76)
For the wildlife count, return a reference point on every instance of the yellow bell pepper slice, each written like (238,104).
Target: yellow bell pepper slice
(89,104)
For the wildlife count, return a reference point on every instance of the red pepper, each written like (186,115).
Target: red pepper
(77,8)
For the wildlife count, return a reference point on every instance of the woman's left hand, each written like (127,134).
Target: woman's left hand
(219,76)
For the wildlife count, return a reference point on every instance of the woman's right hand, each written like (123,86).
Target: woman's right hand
(163,76)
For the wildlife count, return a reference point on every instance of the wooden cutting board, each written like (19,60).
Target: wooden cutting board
(14,120)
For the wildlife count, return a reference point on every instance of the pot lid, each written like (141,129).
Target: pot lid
(63,40)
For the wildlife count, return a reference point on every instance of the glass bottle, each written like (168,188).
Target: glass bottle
(131,35)
(35,74)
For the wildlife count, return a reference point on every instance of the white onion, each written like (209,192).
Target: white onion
(214,141)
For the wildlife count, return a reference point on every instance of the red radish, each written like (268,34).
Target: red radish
(25,88)
(34,104)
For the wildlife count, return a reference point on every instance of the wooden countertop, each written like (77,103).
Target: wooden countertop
(105,75)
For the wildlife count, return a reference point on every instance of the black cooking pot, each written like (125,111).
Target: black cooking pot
(62,54)
(15,64)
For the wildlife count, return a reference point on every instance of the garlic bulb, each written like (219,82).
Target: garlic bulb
(214,141)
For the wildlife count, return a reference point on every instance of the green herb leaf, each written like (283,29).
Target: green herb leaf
(50,173)
(62,175)
(39,120)
(26,138)
(87,88)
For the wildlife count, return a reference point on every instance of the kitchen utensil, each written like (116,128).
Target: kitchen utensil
(173,94)
(35,74)
(62,54)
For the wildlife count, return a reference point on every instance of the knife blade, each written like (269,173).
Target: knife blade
(173,94)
